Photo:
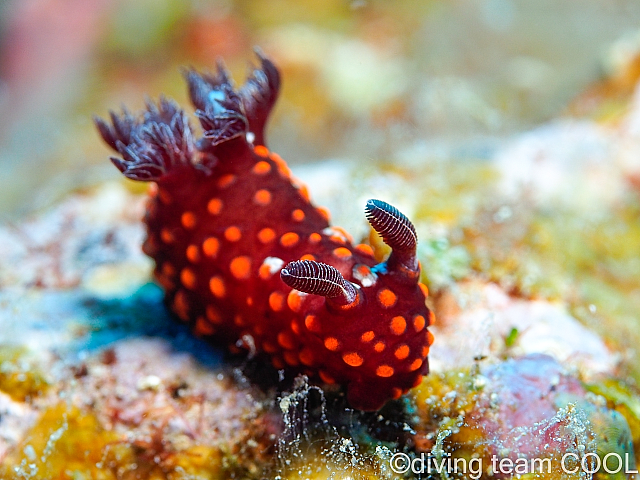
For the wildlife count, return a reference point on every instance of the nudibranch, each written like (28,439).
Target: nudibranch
(248,261)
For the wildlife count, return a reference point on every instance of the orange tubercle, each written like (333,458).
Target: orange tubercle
(214,207)
(216,285)
(261,151)
(211,246)
(289,239)
(266,235)
(387,298)
(398,325)
(240,267)
(384,371)
(261,168)
(232,234)
(277,301)
(331,343)
(353,359)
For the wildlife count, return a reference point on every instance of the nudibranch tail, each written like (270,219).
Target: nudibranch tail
(319,279)
(396,230)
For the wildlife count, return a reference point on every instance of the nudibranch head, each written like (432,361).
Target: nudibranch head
(378,320)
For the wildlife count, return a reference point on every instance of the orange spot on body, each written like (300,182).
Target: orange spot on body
(188,278)
(415,365)
(425,352)
(398,325)
(232,234)
(168,269)
(294,301)
(312,323)
(424,289)
(331,343)
(304,192)
(307,256)
(211,246)
(419,322)
(291,358)
(181,305)
(239,320)
(368,336)
(396,393)
(401,352)
(324,213)
(326,378)
(264,272)
(283,168)
(216,285)
(249,301)
(337,239)
(262,197)
(314,238)
(432,318)
(379,347)
(214,207)
(193,254)
(387,298)
(384,371)
(430,338)
(417,381)
(295,327)
(352,359)
(166,236)
(277,363)
(226,180)
(345,235)
(240,267)
(306,357)
(289,239)
(297,215)
(269,347)
(261,168)
(261,151)
(165,281)
(276,301)
(266,235)
(342,252)
(364,248)
(188,220)
(203,328)
(285,340)
(213,314)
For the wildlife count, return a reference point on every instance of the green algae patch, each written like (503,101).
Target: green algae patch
(19,377)
(67,443)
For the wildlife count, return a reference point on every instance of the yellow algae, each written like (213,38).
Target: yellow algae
(68,443)
(19,378)
(65,443)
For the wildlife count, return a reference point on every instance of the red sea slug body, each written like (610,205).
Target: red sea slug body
(247,260)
